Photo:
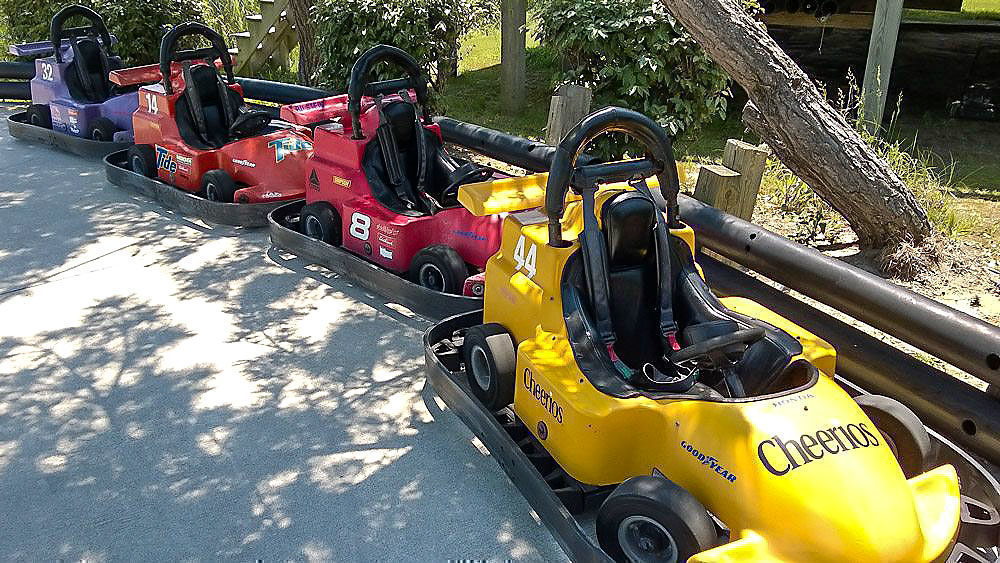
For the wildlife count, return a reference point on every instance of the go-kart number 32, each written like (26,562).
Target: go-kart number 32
(527,261)
(48,73)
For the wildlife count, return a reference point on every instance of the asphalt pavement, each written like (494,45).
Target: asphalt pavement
(176,390)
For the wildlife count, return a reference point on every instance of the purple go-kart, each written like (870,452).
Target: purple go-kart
(74,105)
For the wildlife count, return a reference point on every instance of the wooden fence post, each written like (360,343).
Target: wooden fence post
(513,54)
(570,104)
(718,186)
(881,52)
(750,161)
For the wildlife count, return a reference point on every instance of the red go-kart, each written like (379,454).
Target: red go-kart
(194,131)
(382,185)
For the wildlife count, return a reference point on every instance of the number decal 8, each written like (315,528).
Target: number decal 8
(360,226)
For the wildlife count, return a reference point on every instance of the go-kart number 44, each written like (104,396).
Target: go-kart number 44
(527,261)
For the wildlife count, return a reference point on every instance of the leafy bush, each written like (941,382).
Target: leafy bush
(426,29)
(136,24)
(634,53)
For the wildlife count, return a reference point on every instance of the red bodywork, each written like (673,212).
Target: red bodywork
(334,174)
(266,168)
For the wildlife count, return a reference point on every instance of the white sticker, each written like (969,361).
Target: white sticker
(527,261)
(361,225)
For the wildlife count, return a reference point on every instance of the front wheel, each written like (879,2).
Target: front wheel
(439,268)
(319,220)
(142,160)
(490,361)
(218,185)
(103,130)
(902,430)
(650,518)
(40,115)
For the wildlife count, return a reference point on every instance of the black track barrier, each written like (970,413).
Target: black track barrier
(15,91)
(17,70)
(280,92)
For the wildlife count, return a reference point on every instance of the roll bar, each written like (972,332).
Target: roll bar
(359,85)
(659,160)
(96,28)
(169,52)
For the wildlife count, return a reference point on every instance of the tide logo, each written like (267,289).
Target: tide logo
(165,160)
(287,146)
(781,456)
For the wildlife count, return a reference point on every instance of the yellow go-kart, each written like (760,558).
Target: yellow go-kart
(715,425)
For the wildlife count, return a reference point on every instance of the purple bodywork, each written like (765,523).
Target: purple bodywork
(71,116)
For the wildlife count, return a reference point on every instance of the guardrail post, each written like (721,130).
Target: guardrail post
(750,161)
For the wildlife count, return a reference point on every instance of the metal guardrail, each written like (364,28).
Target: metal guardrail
(17,70)
(960,410)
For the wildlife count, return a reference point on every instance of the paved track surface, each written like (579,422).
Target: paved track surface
(176,390)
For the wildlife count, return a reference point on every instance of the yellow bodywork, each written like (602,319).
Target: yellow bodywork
(763,466)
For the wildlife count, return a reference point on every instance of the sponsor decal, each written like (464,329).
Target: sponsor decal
(385,253)
(287,146)
(368,248)
(781,456)
(470,235)
(244,162)
(270,195)
(386,240)
(343,182)
(391,231)
(543,396)
(708,461)
(165,160)
(305,106)
(792,399)
(314,180)
(543,430)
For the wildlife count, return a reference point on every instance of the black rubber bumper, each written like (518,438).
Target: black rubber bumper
(235,214)
(419,299)
(19,127)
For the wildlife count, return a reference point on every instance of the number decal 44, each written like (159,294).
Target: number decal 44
(526,261)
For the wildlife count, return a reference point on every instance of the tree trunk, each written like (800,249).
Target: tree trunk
(298,14)
(810,137)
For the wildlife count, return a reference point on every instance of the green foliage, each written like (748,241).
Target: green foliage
(137,24)
(426,29)
(633,53)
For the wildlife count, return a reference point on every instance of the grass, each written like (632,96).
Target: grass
(971,10)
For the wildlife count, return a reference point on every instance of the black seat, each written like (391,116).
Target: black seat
(440,168)
(87,75)
(207,108)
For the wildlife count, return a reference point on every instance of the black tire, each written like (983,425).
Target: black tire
(218,185)
(102,129)
(490,362)
(650,518)
(40,115)
(904,433)
(320,221)
(440,268)
(142,160)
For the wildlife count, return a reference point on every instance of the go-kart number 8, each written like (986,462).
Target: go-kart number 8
(47,72)
(361,225)
(527,261)
(151,103)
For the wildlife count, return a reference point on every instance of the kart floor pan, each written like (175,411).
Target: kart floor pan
(19,127)
(555,505)
(235,214)
(423,301)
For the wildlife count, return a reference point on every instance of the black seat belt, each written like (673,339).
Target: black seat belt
(421,134)
(194,104)
(226,101)
(390,154)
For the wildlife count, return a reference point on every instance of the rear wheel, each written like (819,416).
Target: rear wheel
(142,160)
(102,129)
(650,518)
(320,221)
(439,268)
(903,432)
(490,361)
(218,185)
(40,116)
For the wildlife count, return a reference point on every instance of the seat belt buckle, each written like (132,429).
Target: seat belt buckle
(671,338)
(612,353)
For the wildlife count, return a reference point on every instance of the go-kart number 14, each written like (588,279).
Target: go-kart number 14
(524,261)
(151,103)
(361,225)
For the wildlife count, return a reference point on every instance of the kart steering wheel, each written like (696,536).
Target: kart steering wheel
(97,28)
(249,123)
(359,85)
(712,353)
(480,174)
